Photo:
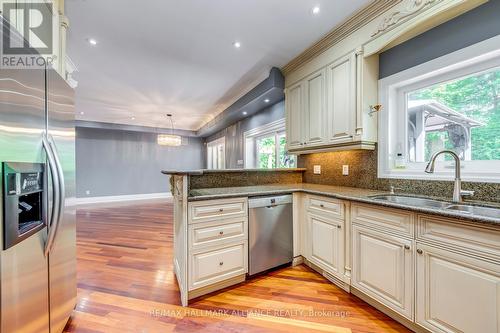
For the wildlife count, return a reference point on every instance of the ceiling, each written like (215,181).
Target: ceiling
(162,56)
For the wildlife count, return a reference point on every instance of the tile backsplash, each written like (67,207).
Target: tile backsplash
(363,174)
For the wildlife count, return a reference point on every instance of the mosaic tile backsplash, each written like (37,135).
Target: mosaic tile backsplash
(363,174)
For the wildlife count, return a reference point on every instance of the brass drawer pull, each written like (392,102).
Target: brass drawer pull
(221,210)
(221,232)
(221,263)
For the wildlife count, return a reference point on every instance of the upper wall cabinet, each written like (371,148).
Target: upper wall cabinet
(294,106)
(314,111)
(341,91)
(323,109)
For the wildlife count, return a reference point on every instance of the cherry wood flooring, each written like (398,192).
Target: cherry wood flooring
(126,284)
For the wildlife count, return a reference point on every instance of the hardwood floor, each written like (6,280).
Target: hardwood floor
(126,284)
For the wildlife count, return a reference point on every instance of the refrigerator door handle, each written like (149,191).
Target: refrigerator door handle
(62,190)
(55,195)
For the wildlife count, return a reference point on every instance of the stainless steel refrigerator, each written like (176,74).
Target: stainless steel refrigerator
(38,234)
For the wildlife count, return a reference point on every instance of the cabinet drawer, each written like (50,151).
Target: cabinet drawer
(481,241)
(215,209)
(393,220)
(211,266)
(333,207)
(216,233)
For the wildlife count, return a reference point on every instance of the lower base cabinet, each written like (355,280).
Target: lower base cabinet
(456,293)
(382,268)
(207,267)
(326,245)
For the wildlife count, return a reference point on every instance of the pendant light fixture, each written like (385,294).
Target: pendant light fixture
(172,139)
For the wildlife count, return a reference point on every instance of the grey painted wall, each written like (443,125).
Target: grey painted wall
(117,162)
(472,27)
(234,133)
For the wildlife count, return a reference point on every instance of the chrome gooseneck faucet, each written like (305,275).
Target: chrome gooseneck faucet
(458,193)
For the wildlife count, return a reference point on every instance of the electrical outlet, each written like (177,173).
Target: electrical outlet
(345,170)
(317,170)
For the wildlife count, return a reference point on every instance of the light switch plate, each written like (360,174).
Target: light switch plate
(240,162)
(345,170)
(317,170)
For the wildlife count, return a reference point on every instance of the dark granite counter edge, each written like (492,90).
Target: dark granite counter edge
(438,212)
(205,171)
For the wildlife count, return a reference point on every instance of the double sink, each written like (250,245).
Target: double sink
(438,204)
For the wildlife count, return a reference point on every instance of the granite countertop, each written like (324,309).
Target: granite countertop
(339,192)
(199,172)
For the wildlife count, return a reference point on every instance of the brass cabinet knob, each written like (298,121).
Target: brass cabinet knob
(419,251)
(221,232)
(322,206)
(407,247)
(221,263)
(221,209)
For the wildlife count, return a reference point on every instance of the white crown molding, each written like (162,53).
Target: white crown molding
(341,31)
(410,8)
(121,198)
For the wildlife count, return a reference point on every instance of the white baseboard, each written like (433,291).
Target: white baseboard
(118,198)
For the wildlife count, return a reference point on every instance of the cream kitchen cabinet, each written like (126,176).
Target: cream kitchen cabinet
(323,110)
(456,292)
(314,111)
(306,112)
(324,238)
(341,92)
(210,242)
(294,105)
(326,243)
(382,268)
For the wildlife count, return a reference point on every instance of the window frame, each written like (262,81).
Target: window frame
(393,128)
(275,128)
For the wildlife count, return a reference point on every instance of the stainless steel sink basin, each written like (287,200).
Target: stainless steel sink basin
(412,201)
(476,210)
(437,204)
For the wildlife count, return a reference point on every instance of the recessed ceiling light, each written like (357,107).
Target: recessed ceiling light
(316,10)
(92,41)
(133,118)
(266,100)
(245,113)
(237,44)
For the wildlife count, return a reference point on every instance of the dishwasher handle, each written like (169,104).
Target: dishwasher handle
(270,201)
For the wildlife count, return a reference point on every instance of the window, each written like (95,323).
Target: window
(216,154)
(453,103)
(265,147)
(461,115)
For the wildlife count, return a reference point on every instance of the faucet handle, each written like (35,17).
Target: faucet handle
(465,193)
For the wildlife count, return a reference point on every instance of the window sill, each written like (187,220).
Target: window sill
(439,176)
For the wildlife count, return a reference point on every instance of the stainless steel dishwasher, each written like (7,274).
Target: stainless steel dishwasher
(270,232)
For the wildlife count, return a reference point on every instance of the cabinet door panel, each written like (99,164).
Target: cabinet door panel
(315,108)
(456,293)
(326,243)
(341,99)
(294,115)
(382,268)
